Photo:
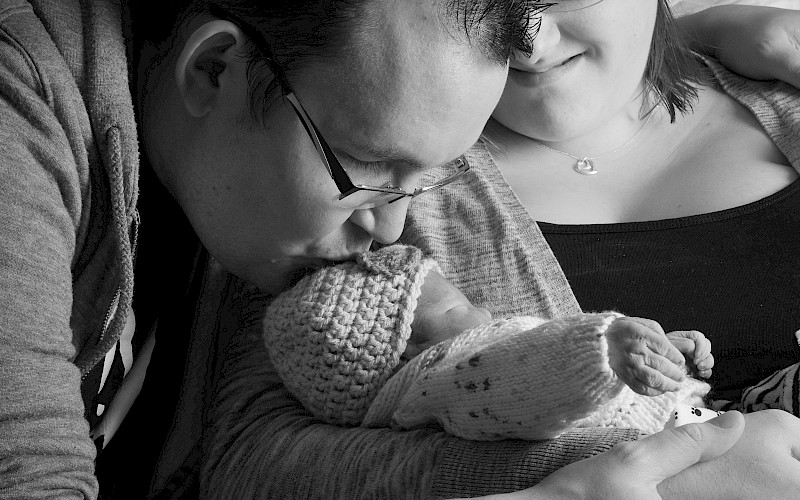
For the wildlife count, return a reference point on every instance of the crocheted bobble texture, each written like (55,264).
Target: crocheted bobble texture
(337,336)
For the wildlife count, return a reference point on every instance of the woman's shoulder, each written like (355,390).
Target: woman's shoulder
(732,153)
(775,104)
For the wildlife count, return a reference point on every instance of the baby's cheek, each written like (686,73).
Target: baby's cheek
(463,317)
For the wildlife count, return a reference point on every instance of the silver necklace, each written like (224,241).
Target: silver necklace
(585,164)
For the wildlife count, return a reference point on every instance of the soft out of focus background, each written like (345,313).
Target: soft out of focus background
(689,6)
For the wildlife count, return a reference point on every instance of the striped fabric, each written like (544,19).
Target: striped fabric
(779,391)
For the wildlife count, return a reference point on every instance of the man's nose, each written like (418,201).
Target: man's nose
(383,223)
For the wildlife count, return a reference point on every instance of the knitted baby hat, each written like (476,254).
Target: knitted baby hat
(337,335)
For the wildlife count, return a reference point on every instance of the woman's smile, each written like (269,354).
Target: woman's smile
(545,73)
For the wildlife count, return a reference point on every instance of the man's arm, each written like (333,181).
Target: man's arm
(762,43)
(264,444)
(44,438)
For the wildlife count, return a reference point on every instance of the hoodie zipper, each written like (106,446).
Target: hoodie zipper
(112,309)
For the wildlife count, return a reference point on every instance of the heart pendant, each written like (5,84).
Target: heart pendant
(585,166)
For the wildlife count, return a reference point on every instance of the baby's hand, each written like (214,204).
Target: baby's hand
(642,356)
(697,350)
(442,312)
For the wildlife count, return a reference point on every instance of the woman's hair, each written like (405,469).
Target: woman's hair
(673,72)
(298,31)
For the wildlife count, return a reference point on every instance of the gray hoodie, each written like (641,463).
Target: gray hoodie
(68,177)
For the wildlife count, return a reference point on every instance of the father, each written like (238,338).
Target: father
(230,103)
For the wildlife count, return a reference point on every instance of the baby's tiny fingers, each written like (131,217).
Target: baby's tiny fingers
(703,367)
(704,373)
(702,348)
(640,388)
(649,382)
(647,323)
(664,367)
(686,334)
(661,345)
(705,363)
(684,345)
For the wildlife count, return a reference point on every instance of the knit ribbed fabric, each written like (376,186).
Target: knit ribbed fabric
(523,378)
(337,336)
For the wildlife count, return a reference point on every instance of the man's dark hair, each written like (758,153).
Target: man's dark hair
(297,31)
(673,73)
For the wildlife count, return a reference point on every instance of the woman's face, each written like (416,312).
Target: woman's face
(586,66)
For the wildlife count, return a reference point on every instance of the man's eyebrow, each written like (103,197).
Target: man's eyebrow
(389,153)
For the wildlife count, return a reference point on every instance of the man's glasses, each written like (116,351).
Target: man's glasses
(570,5)
(363,195)
(358,196)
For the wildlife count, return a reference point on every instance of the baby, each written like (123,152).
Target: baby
(343,343)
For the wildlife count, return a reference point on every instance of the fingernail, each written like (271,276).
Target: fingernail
(727,420)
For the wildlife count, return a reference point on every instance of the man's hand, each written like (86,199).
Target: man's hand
(762,43)
(633,470)
(642,356)
(764,463)
(730,456)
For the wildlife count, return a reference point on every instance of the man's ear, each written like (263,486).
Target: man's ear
(207,53)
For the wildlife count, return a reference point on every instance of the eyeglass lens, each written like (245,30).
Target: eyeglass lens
(370,196)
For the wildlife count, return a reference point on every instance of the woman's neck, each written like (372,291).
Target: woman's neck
(603,137)
(715,158)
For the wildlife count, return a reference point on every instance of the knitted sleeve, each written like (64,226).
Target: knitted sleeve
(523,378)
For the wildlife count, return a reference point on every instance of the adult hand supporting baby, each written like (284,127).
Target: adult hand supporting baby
(633,470)
(762,43)
(764,463)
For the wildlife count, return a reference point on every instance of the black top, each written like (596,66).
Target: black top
(733,275)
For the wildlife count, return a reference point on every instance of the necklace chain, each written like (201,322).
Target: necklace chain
(585,164)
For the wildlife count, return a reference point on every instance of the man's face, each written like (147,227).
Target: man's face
(261,199)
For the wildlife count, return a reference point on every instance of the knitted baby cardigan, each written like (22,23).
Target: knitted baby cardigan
(337,336)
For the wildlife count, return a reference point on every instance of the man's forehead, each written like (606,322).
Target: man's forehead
(397,47)
(402,82)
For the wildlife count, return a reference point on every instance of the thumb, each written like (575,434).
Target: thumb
(673,450)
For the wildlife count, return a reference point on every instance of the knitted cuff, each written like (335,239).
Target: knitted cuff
(516,378)
(337,335)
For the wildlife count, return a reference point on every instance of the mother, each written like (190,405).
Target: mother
(688,215)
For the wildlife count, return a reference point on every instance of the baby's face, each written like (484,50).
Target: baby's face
(453,322)
(442,312)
